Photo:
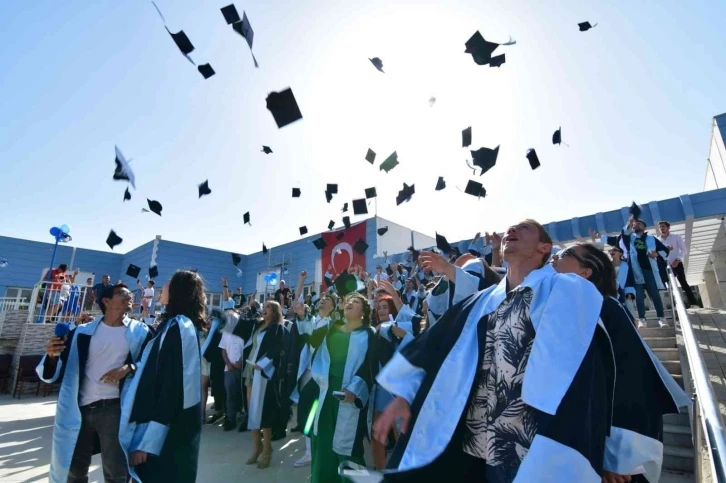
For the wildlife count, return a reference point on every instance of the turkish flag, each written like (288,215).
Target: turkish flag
(339,255)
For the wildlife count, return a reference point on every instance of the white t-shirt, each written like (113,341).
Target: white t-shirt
(148,297)
(107,350)
(234,345)
(65,291)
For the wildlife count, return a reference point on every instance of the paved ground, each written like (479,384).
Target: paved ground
(710,328)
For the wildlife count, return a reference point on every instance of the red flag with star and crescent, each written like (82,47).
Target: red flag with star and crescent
(339,255)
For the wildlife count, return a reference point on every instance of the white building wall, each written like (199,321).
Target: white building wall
(398,238)
(716,166)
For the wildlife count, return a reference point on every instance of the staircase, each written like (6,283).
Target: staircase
(677,442)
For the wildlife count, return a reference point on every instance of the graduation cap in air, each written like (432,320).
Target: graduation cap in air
(230,14)
(480,49)
(303,230)
(382,231)
(475,189)
(533,159)
(370,156)
(345,283)
(390,162)
(266,150)
(236,259)
(370,193)
(497,61)
(153,271)
(319,243)
(154,206)
(346,222)
(296,192)
(133,271)
(466,137)
(405,194)
(182,42)
(440,184)
(204,189)
(328,196)
(360,246)
(442,244)
(635,211)
(264,249)
(360,207)
(206,70)
(484,158)
(246,218)
(332,188)
(127,194)
(113,239)
(432,101)
(123,169)
(340,235)
(585,26)
(331,225)
(345,208)
(557,136)
(377,63)
(283,107)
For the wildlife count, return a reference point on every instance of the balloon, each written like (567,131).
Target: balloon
(273,276)
(267,278)
(65,228)
(55,231)
(3,263)
(273,282)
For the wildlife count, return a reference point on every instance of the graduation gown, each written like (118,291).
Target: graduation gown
(469,279)
(644,392)
(265,402)
(161,411)
(568,381)
(68,370)
(626,241)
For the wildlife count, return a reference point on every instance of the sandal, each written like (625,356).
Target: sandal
(253,459)
(264,461)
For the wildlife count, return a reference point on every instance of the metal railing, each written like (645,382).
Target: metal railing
(51,302)
(707,420)
(13,303)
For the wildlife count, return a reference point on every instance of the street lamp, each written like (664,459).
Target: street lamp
(60,233)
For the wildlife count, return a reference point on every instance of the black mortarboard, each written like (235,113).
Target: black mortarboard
(331,225)
(371,156)
(283,107)
(236,259)
(345,208)
(296,192)
(127,194)
(328,196)
(360,207)
(442,244)
(133,271)
(497,60)
(378,63)
(466,137)
(485,158)
(331,188)
(557,136)
(230,14)
(533,159)
(585,26)
(303,230)
(382,231)
(370,193)
(244,28)
(475,189)
(635,211)
(440,184)
(360,246)
(154,206)
(266,150)
(113,239)
(246,218)
(346,221)
(264,249)
(204,189)
(340,235)
(390,162)
(480,49)
(345,283)
(153,271)
(405,194)
(182,42)
(123,169)
(319,243)
(206,70)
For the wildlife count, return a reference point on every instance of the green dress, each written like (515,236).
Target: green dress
(325,460)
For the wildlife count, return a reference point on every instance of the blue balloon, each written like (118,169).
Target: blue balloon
(65,228)
(273,282)
(55,231)
(3,263)
(267,278)
(273,275)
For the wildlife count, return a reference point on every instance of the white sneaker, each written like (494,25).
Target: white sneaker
(304,461)
(663,324)
(642,324)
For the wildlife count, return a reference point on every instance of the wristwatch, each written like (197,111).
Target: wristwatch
(132,366)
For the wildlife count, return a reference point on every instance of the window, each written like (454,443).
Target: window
(214,301)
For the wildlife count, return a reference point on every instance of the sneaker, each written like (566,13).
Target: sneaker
(642,324)
(215,417)
(304,461)
(663,323)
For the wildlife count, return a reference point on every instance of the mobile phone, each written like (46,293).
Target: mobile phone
(338,395)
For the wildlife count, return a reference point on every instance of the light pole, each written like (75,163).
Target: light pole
(60,233)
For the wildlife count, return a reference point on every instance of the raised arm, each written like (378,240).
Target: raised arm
(496,249)
(300,283)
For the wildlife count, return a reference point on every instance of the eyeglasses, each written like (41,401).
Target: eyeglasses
(570,252)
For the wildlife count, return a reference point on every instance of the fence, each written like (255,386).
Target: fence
(13,303)
(53,302)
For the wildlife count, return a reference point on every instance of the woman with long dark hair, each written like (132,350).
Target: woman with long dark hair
(161,419)
(644,391)
(261,375)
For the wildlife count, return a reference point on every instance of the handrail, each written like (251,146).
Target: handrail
(705,406)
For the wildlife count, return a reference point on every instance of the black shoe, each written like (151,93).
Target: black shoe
(242,427)
(215,417)
(278,435)
(228,426)
(296,429)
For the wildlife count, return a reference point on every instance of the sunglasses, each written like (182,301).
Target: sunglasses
(570,252)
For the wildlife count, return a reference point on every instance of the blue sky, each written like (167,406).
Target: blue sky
(634,97)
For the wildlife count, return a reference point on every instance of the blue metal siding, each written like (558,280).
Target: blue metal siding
(141,257)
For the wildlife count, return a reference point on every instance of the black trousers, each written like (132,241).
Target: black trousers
(99,424)
(681,276)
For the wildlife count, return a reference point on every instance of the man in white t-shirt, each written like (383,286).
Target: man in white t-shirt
(232,351)
(91,363)
(147,298)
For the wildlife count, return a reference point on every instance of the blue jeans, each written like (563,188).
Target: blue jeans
(233,386)
(653,293)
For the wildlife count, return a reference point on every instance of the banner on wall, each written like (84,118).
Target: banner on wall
(339,255)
